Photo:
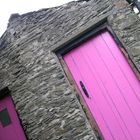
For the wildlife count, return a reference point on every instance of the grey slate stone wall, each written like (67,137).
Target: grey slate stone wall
(45,102)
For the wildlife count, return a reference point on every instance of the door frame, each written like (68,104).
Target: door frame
(5,92)
(77,40)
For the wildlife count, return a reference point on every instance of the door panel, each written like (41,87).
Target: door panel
(13,129)
(112,86)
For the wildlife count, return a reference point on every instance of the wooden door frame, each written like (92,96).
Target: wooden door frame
(76,41)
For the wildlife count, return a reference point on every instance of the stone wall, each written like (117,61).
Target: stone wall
(45,102)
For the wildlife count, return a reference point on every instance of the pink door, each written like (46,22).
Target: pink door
(108,85)
(10,128)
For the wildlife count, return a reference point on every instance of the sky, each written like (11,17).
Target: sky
(8,7)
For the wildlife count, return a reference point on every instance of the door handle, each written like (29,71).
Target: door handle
(84,89)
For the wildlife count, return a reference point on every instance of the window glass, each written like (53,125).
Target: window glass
(4,117)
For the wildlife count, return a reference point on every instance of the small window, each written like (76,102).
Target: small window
(137,3)
(5,118)
(136,6)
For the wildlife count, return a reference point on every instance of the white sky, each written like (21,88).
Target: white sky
(7,7)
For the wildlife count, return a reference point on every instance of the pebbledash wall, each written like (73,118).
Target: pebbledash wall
(46,103)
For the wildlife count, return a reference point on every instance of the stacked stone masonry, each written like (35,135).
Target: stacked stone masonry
(44,100)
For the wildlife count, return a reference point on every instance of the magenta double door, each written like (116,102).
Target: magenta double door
(108,85)
(10,128)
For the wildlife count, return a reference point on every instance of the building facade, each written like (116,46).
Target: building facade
(35,76)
